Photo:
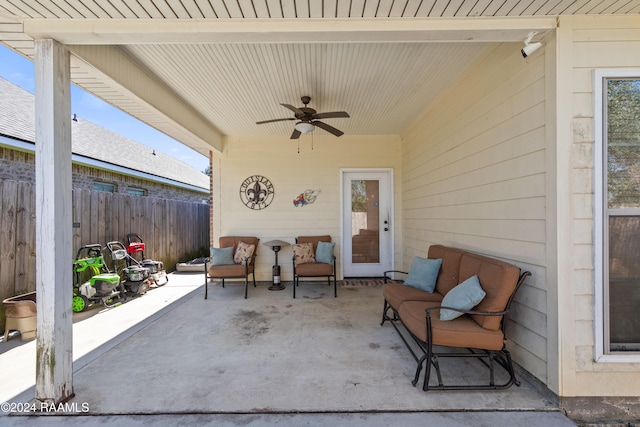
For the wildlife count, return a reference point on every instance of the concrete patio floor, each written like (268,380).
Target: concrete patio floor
(171,357)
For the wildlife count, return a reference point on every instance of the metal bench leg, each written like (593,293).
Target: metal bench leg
(436,364)
(419,369)
(384,312)
(295,284)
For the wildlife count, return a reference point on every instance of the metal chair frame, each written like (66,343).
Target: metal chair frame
(246,263)
(296,277)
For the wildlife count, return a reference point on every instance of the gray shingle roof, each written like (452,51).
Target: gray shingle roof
(17,120)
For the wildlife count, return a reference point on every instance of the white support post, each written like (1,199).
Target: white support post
(54,277)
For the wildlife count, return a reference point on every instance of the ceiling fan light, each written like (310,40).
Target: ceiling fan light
(304,127)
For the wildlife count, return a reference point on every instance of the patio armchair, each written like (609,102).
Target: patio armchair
(309,261)
(233,259)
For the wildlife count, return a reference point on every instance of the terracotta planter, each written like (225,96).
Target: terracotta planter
(20,312)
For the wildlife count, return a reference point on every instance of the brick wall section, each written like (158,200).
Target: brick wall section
(20,166)
(16,165)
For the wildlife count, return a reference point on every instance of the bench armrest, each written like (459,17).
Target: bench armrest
(392,271)
(481,313)
(470,312)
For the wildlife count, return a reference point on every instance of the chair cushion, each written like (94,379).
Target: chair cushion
(226,241)
(243,251)
(314,269)
(462,332)
(396,293)
(423,274)
(449,276)
(313,240)
(498,279)
(465,296)
(303,253)
(222,256)
(228,271)
(324,252)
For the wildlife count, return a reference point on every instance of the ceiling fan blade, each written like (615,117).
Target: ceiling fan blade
(330,115)
(294,109)
(275,120)
(296,134)
(328,128)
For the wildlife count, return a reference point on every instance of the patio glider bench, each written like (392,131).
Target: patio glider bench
(453,304)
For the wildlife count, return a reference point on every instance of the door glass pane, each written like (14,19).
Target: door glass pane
(624,283)
(365,221)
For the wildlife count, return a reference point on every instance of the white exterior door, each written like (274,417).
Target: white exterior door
(367,219)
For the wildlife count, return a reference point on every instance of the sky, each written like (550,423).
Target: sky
(19,70)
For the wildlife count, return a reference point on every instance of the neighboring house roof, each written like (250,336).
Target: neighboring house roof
(95,145)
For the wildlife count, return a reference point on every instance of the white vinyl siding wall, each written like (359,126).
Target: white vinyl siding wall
(474,177)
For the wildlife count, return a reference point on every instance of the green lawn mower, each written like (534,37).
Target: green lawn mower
(94,283)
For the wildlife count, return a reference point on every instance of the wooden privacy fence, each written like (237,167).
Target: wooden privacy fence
(172,230)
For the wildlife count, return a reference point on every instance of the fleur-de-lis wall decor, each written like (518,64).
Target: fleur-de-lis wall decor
(256,192)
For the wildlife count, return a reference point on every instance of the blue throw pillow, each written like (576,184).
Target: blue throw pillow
(465,296)
(222,256)
(324,252)
(423,274)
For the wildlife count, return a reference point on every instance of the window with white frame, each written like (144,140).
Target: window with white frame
(617,198)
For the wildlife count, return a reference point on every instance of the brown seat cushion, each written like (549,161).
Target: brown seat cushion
(316,269)
(228,271)
(396,293)
(462,332)
(497,278)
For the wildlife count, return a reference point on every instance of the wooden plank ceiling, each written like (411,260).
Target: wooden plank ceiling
(274,9)
(382,61)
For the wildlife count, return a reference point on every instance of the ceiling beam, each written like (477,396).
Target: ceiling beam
(142,31)
(135,81)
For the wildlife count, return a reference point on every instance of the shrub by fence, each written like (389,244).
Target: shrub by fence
(173,231)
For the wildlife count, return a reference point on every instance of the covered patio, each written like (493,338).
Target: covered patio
(482,147)
(269,354)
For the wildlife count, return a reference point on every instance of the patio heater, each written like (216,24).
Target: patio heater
(275,246)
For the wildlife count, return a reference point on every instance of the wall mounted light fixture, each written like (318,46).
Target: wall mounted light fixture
(529,47)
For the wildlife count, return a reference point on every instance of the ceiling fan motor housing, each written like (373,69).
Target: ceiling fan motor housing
(308,112)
